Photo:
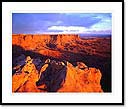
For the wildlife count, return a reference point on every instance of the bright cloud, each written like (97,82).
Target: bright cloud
(78,29)
(62,23)
(68,28)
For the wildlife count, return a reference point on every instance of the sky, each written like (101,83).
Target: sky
(61,23)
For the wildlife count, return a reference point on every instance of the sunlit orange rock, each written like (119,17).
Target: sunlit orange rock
(78,80)
(25,81)
(58,76)
(18,80)
(67,78)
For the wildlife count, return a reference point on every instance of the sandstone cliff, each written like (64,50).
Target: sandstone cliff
(95,52)
(45,40)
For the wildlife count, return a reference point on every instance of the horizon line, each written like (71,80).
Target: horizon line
(62,33)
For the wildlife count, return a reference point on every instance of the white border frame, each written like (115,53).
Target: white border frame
(62,7)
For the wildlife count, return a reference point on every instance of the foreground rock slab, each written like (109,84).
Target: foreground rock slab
(56,76)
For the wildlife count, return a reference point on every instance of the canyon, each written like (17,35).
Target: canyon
(66,72)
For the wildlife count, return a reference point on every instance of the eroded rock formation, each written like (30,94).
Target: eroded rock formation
(92,52)
(56,76)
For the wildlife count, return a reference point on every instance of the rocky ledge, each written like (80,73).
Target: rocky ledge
(54,76)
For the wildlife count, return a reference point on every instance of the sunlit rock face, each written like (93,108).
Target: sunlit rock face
(76,64)
(46,40)
(56,76)
(48,45)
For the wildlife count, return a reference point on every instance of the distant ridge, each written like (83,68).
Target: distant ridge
(95,35)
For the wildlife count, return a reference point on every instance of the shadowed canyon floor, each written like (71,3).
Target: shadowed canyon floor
(61,63)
